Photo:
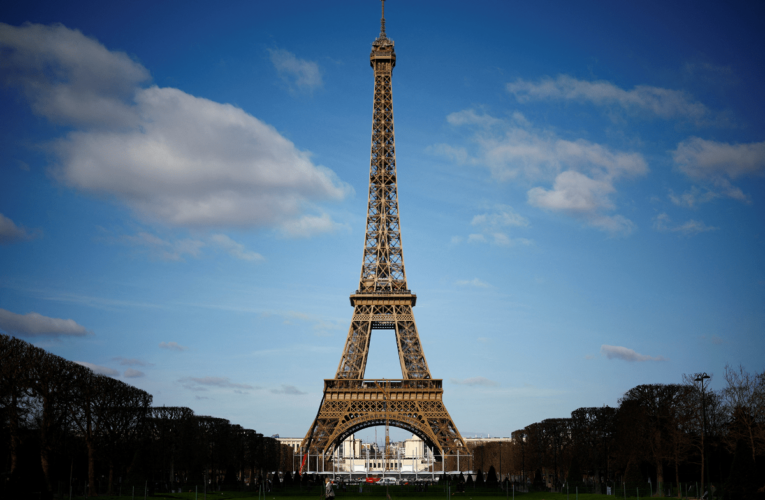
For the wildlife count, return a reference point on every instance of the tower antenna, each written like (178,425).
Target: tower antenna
(382,21)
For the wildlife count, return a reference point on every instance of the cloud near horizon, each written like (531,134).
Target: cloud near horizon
(626,354)
(170,156)
(37,325)
(200,383)
(289,390)
(98,369)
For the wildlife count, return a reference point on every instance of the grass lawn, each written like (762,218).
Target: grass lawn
(375,493)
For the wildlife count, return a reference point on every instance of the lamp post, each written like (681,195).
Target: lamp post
(700,377)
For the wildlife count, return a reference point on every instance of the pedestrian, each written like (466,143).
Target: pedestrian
(329,494)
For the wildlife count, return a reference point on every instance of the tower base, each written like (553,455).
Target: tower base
(349,405)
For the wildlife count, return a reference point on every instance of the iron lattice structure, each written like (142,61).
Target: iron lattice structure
(383,301)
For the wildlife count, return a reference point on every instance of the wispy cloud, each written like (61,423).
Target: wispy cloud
(131,373)
(235,249)
(310,225)
(173,346)
(718,163)
(494,226)
(166,249)
(101,370)
(11,233)
(665,103)
(474,381)
(475,282)
(626,354)
(202,383)
(131,361)
(297,73)
(289,390)
(37,325)
(690,228)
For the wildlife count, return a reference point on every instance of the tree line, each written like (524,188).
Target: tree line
(62,421)
(669,433)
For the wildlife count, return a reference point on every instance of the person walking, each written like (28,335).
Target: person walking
(329,493)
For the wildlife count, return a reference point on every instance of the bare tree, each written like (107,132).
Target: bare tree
(744,397)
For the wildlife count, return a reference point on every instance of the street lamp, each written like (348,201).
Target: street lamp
(700,377)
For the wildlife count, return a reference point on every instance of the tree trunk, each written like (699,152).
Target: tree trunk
(677,477)
(45,464)
(111,477)
(14,429)
(91,469)
(702,463)
(659,478)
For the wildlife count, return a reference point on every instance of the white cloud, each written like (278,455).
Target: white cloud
(583,173)
(233,248)
(474,282)
(718,163)
(100,370)
(290,390)
(172,157)
(626,354)
(10,232)
(304,75)
(173,346)
(665,103)
(690,228)
(68,77)
(37,325)
(131,373)
(473,381)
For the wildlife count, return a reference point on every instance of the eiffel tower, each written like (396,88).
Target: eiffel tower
(383,302)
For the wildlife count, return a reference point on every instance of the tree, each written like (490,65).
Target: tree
(491,477)
(659,406)
(592,431)
(744,396)
(15,391)
(51,380)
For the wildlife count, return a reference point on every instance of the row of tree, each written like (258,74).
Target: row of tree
(670,433)
(61,420)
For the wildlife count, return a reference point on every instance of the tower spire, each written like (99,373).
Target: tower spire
(382,21)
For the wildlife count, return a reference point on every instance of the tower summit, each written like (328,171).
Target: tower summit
(383,302)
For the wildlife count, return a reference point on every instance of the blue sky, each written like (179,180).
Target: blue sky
(183,196)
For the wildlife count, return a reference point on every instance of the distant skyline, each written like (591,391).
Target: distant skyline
(581,188)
